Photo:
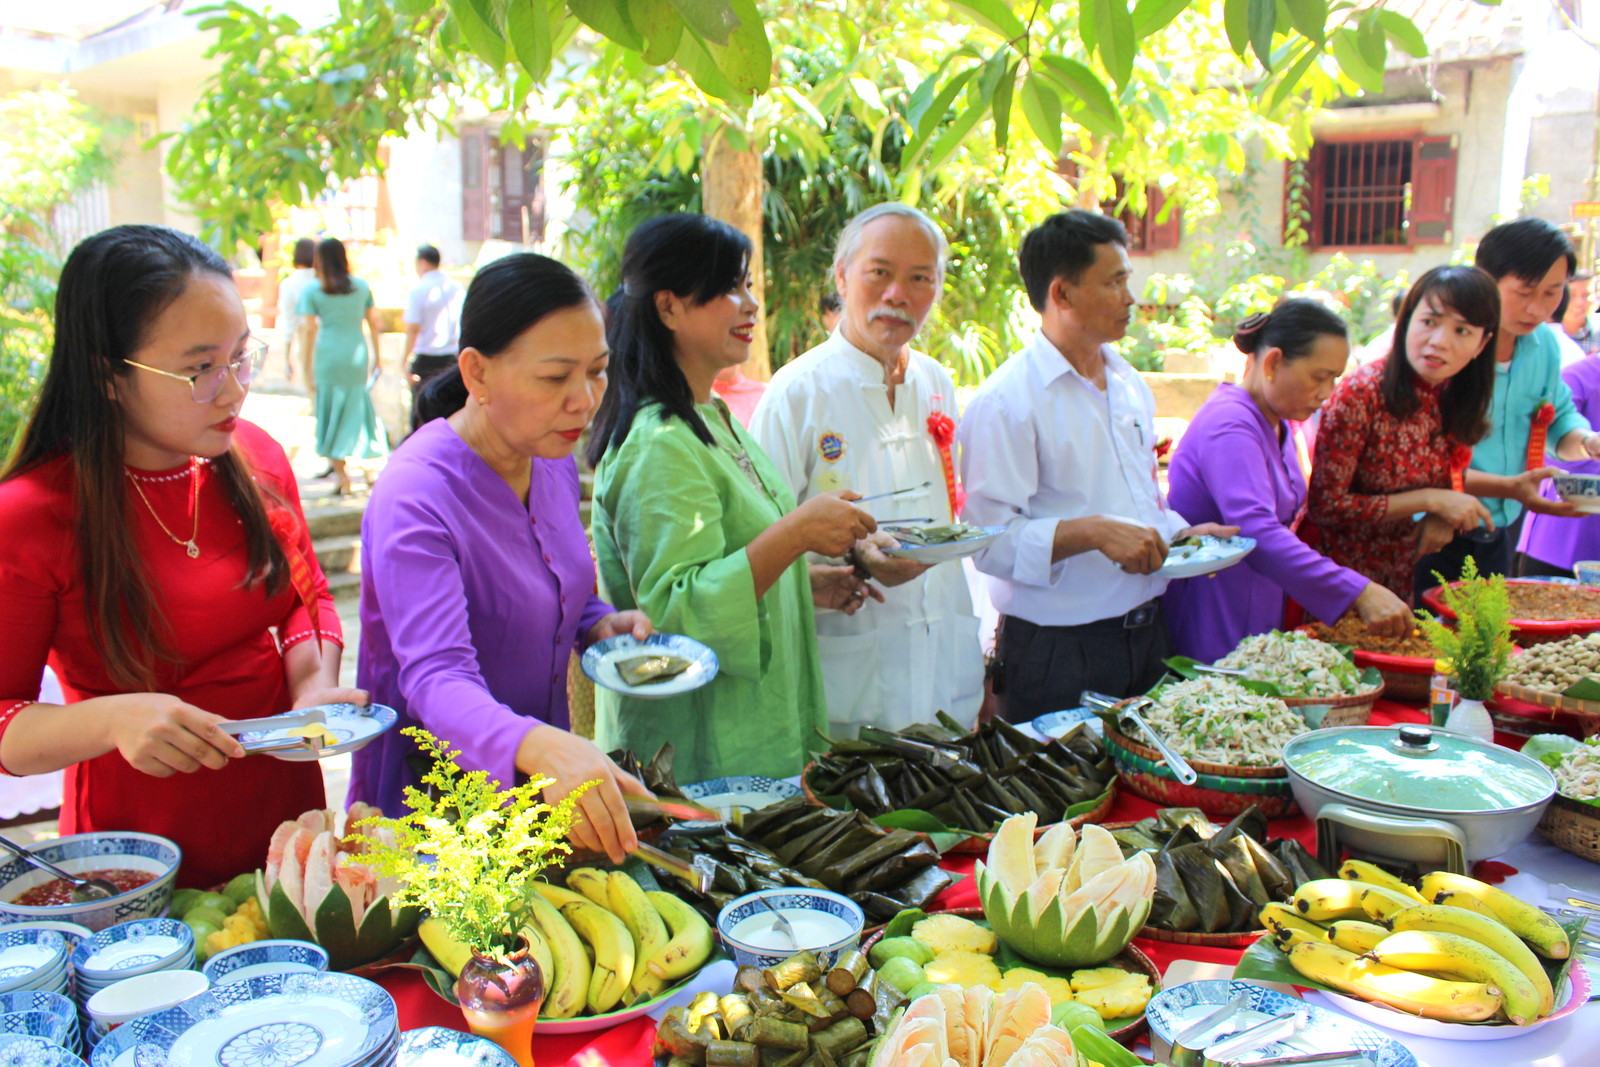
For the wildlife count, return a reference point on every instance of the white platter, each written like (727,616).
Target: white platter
(600,664)
(950,550)
(352,725)
(1210,555)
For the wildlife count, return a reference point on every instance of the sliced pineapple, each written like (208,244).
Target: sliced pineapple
(962,968)
(1060,989)
(951,933)
(1115,994)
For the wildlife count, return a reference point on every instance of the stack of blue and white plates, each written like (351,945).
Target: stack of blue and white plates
(20,1050)
(37,1013)
(435,1046)
(32,959)
(265,957)
(122,951)
(310,1020)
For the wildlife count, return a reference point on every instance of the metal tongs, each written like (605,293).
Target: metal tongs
(671,808)
(1129,713)
(278,722)
(697,875)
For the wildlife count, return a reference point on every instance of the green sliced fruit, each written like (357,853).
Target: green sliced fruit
(902,972)
(222,903)
(182,901)
(891,947)
(209,916)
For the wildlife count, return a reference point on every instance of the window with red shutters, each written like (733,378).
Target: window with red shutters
(502,188)
(1393,192)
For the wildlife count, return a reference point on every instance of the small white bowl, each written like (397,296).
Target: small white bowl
(144,993)
(1580,489)
(826,923)
(264,957)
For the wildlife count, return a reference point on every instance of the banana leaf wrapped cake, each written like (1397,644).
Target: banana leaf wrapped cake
(968,780)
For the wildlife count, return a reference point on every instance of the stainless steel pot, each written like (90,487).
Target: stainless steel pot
(1392,788)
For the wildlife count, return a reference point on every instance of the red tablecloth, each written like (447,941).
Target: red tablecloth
(629,1043)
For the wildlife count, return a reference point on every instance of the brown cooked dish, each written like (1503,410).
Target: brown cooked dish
(1351,631)
(1552,601)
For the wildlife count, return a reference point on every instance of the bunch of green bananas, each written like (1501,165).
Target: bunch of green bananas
(1450,948)
(603,943)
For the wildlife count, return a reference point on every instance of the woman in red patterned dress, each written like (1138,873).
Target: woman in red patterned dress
(156,556)
(1392,430)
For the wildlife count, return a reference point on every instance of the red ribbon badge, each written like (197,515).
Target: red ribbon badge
(286,529)
(943,429)
(1460,460)
(1537,436)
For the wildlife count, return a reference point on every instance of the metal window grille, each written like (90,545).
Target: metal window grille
(1365,185)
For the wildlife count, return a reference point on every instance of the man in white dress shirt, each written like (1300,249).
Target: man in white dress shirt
(289,290)
(1058,446)
(853,413)
(432,319)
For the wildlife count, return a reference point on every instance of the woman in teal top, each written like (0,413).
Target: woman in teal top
(694,526)
(1530,261)
(342,362)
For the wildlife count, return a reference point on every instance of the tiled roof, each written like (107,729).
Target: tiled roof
(1465,29)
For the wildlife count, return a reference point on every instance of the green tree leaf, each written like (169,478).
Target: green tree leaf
(483,37)
(528,32)
(1000,103)
(1263,15)
(994,15)
(1236,21)
(1353,64)
(712,20)
(1310,17)
(746,60)
(1371,41)
(661,26)
(1085,95)
(1149,16)
(1289,81)
(936,110)
(694,56)
(1041,106)
(950,139)
(1403,32)
(609,17)
(1113,34)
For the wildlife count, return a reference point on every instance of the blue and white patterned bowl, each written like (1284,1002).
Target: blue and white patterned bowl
(265,957)
(737,793)
(17,1050)
(92,852)
(105,1049)
(803,907)
(31,959)
(274,1020)
(1175,1007)
(45,1024)
(131,948)
(1580,489)
(38,1000)
(436,1046)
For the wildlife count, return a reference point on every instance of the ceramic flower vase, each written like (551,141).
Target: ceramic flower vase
(1470,717)
(501,1001)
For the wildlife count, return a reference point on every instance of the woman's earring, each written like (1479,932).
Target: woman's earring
(483,398)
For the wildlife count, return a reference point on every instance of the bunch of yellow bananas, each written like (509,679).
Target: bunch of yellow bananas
(1451,948)
(603,943)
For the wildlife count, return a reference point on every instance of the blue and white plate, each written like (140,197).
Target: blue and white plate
(131,948)
(739,793)
(1056,723)
(115,1049)
(275,1020)
(17,1050)
(436,1046)
(1211,554)
(950,550)
(265,957)
(1176,1007)
(600,664)
(352,725)
(31,959)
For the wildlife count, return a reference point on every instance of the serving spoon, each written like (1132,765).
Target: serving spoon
(83,889)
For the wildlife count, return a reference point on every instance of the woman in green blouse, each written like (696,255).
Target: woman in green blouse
(694,527)
(341,363)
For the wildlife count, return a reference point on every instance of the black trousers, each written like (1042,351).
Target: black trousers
(1492,552)
(1047,668)
(425,366)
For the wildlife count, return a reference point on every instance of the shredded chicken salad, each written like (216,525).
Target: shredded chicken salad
(1299,665)
(1217,721)
(1578,773)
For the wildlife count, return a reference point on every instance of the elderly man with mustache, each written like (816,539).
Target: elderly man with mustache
(863,411)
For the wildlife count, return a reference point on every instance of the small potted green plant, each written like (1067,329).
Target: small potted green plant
(1478,649)
(468,854)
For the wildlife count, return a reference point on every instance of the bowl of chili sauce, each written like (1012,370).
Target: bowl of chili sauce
(143,866)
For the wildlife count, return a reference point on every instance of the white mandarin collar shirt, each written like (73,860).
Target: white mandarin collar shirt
(1041,443)
(826,424)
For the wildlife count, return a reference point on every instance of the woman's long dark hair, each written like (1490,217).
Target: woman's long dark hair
(692,256)
(333,266)
(1464,401)
(507,298)
(113,287)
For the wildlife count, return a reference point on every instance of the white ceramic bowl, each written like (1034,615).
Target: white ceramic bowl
(130,948)
(79,853)
(826,923)
(1580,489)
(144,993)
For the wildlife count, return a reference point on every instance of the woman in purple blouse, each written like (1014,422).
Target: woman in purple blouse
(1551,544)
(477,583)
(1237,464)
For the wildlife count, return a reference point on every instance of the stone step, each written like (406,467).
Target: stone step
(339,555)
(334,516)
(344,586)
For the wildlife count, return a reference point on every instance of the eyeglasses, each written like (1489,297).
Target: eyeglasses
(205,386)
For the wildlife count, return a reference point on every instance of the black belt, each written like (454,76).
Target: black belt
(1145,614)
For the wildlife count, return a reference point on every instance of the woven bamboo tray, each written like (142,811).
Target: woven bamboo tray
(1586,712)
(1221,770)
(1234,939)
(1129,959)
(1573,825)
(1213,794)
(1352,710)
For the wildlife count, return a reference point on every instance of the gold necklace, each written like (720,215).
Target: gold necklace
(188,546)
